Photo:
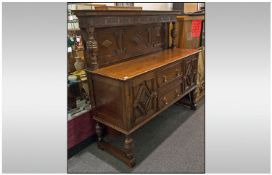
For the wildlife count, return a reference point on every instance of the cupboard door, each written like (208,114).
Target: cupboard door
(190,73)
(144,97)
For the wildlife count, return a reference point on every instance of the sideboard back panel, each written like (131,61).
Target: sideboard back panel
(116,44)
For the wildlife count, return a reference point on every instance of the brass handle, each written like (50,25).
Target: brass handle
(177,92)
(164,79)
(155,95)
(178,73)
(165,100)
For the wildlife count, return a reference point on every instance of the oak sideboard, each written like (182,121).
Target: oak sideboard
(133,71)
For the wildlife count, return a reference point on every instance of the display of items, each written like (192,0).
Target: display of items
(78,90)
(133,71)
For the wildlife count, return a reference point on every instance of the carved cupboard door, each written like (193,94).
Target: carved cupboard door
(144,98)
(190,73)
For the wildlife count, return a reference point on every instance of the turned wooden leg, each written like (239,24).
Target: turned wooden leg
(192,100)
(128,145)
(99,132)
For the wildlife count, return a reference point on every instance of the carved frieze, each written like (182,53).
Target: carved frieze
(109,21)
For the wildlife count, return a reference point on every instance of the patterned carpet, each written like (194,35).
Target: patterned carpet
(172,142)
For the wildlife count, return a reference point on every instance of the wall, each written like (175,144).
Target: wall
(146,6)
(155,6)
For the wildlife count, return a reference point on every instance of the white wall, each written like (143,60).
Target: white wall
(148,6)
(155,6)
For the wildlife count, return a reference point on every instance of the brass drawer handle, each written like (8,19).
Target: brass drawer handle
(155,95)
(177,92)
(178,73)
(164,79)
(165,100)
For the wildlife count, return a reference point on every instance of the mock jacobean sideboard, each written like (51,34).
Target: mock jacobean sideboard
(133,71)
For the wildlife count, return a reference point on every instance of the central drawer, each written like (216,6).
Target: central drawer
(169,93)
(169,73)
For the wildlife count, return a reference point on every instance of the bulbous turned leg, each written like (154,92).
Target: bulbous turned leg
(192,96)
(128,146)
(99,132)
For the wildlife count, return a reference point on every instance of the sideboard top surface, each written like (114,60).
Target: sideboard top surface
(143,64)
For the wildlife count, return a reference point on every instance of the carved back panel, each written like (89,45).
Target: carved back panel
(110,37)
(117,44)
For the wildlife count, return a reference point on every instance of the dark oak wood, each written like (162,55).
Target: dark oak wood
(120,154)
(133,72)
(139,65)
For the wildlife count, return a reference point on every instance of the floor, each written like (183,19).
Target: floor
(172,142)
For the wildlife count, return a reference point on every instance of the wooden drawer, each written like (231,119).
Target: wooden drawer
(172,92)
(169,73)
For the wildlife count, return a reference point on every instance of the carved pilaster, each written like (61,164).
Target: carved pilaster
(92,48)
(173,35)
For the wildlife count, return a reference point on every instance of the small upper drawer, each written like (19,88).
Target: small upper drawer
(169,73)
(170,94)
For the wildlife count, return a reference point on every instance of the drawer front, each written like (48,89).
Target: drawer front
(190,72)
(169,73)
(172,92)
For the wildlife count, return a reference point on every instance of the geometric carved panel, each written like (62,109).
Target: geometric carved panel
(190,74)
(144,102)
(107,43)
(109,46)
(137,39)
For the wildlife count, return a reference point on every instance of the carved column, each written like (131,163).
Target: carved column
(173,35)
(92,48)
